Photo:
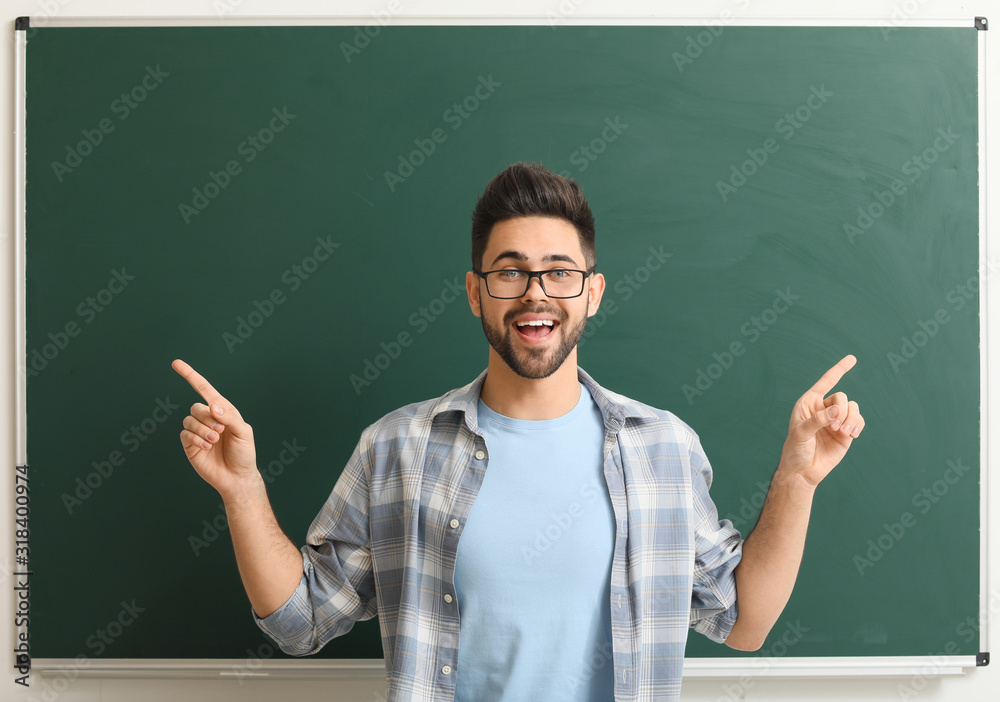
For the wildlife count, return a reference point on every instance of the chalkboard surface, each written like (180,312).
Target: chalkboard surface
(288,210)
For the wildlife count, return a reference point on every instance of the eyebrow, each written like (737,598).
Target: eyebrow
(521,256)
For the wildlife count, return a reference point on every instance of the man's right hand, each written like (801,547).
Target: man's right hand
(218,443)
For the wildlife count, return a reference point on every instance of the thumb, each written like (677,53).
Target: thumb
(226,414)
(808,428)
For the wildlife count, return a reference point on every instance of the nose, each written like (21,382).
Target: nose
(535,290)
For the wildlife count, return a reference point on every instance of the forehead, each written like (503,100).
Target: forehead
(536,237)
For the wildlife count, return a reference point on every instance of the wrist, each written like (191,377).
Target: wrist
(793,481)
(244,491)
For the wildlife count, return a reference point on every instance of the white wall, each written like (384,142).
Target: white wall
(979,684)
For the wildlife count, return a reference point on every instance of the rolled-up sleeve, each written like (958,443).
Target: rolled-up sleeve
(337,586)
(718,549)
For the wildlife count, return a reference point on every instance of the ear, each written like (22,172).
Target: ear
(595,292)
(472,288)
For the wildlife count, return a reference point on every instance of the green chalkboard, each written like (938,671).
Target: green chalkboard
(277,205)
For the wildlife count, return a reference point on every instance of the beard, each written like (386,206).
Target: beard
(534,362)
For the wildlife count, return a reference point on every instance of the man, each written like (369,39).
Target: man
(530,535)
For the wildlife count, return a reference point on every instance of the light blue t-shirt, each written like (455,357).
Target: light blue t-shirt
(533,568)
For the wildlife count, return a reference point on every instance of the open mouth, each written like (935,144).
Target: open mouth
(536,330)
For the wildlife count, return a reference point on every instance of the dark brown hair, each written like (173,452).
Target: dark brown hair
(524,189)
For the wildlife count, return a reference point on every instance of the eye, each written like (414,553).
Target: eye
(510,274)
(558,274)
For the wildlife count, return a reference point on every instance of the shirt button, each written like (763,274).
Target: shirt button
(446,670)
(480,455)
(447,598)
(453,524)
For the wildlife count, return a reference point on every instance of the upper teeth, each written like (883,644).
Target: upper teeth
(536,323)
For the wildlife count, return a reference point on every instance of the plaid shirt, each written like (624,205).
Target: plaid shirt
(385,542)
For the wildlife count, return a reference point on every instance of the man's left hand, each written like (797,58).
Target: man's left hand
(821,429)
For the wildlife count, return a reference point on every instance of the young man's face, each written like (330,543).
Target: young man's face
(535,244)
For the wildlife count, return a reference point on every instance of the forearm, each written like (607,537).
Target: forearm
(269,563)
(772,553)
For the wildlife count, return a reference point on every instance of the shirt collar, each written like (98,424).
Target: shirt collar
(615,408)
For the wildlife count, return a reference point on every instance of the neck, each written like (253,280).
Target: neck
(507,393)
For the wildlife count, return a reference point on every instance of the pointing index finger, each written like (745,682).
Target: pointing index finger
(833,376)
(201,386)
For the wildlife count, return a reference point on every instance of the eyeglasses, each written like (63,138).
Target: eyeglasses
(511,283)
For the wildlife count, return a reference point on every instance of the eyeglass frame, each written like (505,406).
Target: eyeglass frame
(536,274)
